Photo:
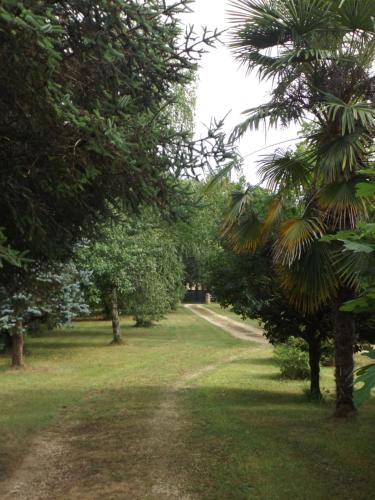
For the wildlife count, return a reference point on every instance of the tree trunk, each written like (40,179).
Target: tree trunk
(314,362)
(17,345)
(115,319)
(344,340)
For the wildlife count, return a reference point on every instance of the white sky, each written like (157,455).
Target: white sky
(224,87)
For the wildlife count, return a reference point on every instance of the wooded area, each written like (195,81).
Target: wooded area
(112,206)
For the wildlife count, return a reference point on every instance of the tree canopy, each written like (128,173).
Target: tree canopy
(319,55)
(83,97)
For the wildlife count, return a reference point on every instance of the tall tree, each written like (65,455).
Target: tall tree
(197,228)
(319,55)
(83,93)
(247,284)
(50,294)
(135,268)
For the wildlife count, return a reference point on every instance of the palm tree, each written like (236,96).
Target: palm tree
(318,54)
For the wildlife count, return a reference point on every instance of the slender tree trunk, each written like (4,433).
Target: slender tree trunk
(115,319)
(314,362)
(344,340)
(17,345)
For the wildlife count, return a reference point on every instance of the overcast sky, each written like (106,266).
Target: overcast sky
(224,87)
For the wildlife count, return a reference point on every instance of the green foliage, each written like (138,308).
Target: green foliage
(9,255)
(246,283)
(49,295)
(197,230)
(359,247)
(320,64)
(136,257)
(292,360)
(327,353)
(365,378)
(159,283)
(87,95)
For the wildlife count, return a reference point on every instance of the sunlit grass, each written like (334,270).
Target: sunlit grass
(244,432)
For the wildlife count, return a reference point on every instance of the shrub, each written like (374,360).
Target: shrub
(292,360)
(327,357)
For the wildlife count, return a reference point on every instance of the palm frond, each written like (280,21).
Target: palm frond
(307,16)
(350,267)
(274,212)
(366,190)
(311,281)
(271,67)
(257,25)
(257,116)
(247,235)
(339,156)
(295,237)
(285,171)
(242,228)
(260,25)
(271,114)
(350,114)
(357,15)
(240,206)
(343,207)
(220,176)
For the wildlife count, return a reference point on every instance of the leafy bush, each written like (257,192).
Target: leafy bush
(327,357)
(292,359)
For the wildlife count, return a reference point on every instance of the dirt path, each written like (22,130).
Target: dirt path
(88,461)
(235,328)
(62,464)
(39,471)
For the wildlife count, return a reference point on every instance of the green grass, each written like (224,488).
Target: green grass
(243,433)
(232,315)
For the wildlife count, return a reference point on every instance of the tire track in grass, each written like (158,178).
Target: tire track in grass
(49,469)
(234,328)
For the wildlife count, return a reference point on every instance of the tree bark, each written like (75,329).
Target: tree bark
(115,319)
(314,362)
(344,340)
(17,345)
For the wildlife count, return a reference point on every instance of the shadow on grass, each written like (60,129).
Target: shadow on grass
(250,398)
(112,419)
(220,429)
(277,442)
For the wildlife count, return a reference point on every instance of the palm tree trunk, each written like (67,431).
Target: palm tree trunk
(115,319)
(344,340)
(314,362)
(17,345)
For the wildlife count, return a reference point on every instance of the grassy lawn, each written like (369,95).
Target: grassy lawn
(230,314)
(236,431)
